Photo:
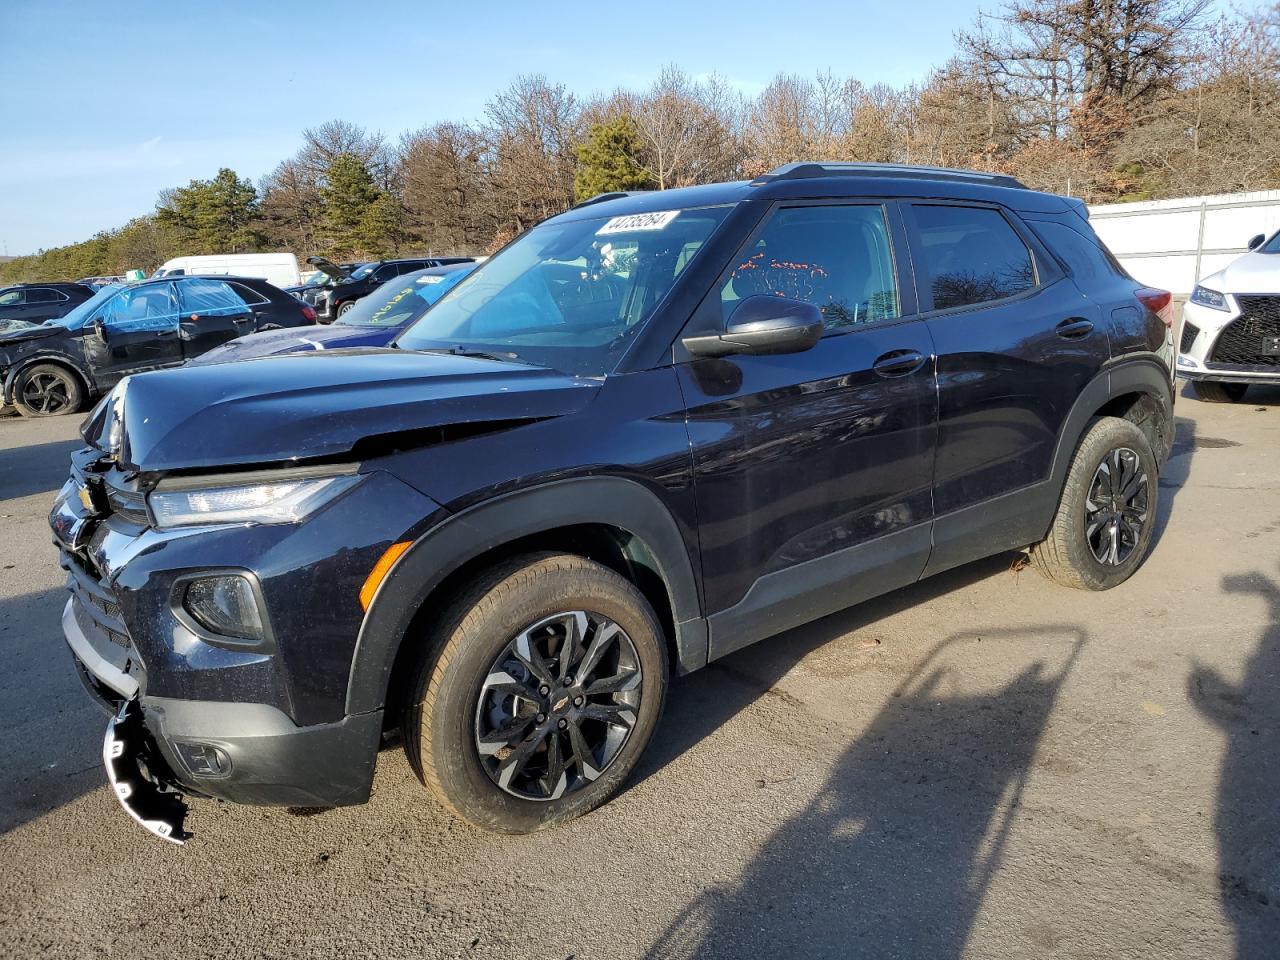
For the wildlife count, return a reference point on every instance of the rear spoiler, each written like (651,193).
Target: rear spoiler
(1078,206)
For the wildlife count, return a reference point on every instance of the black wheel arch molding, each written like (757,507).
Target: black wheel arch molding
(609,501)
(74,365)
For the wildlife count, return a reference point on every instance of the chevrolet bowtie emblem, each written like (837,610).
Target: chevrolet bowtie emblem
(86,499)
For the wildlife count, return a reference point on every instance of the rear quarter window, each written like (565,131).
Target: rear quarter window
(1086,258)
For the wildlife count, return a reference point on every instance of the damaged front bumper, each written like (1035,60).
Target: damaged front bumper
(140,778)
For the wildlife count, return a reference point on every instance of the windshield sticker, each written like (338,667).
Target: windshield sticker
(638,221)
(431,279)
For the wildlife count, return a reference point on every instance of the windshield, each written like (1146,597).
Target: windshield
(76,317)
(1272,245)
(401,299)
(359,273)
(568,295)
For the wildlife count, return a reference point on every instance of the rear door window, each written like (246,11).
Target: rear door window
(834,256)
(210,298)
(45,295)
(970,255)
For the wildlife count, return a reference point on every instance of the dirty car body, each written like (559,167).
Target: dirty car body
(226,526)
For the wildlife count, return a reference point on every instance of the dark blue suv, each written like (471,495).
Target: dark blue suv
(649,432)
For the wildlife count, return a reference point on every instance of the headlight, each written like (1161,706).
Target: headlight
(1209,298)
(284,501)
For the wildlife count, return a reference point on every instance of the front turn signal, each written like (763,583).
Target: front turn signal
(380,571)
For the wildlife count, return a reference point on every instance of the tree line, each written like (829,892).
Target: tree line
(1108,100)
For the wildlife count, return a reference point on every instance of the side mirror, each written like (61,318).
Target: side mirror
(761,325)
(100,329)
(1256,241)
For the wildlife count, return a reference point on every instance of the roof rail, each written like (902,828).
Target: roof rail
(610,195)
(807,169)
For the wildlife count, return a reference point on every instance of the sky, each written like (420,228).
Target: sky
(103,105)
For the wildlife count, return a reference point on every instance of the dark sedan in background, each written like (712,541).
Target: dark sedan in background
(373,322)
(349,286)
(56,366)
(37,302)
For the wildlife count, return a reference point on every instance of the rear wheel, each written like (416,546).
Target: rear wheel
(1210,391)
(548,683)
(1106,516)
(47,390)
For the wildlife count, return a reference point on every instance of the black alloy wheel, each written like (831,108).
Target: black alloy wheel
(1116,508)
(558,705)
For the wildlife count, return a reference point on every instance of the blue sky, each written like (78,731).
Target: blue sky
(104,104)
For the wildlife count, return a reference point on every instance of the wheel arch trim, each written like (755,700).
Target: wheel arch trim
(1140,375)
(464,536)
(55,359)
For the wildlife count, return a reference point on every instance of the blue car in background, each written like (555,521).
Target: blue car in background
(373,322)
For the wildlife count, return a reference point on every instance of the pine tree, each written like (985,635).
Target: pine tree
(607,159)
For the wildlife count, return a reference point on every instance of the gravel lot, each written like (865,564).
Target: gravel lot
(985,765)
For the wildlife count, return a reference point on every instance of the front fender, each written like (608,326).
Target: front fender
(462,537)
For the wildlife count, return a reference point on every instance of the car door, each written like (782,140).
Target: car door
(812,470)
(44,303)
(212,313)
(1016,342)
(139,331)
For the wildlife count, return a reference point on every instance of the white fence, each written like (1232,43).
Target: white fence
(1172,244)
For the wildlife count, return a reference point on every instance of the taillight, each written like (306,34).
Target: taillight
(310,313)
(1159,302)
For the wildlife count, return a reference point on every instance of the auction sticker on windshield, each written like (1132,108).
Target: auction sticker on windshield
(638,221)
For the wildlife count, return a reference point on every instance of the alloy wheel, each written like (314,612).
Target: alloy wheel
(46,393)
(558,705)
(1117,506)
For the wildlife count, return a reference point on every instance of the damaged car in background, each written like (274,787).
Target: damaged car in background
(651,431)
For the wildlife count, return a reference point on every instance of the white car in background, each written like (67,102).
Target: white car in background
(1231,325)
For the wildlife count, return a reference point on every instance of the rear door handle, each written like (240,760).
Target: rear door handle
(1074,328)
(899,363)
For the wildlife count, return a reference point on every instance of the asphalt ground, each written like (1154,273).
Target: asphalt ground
(984,765)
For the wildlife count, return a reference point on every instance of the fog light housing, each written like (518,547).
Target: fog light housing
(204,760)
(226,605)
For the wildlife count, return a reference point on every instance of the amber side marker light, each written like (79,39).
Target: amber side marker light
(380,570)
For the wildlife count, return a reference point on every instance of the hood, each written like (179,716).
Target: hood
(324,404)
(272,343)
(1252,273)
(38,332)
(329,267)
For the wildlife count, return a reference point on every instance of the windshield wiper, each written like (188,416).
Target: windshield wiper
(461,351)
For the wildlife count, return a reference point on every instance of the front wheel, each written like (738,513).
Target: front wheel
(346,308)
(47,390)
(548,682)
(1106,516)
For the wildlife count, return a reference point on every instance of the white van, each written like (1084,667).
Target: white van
(280,269)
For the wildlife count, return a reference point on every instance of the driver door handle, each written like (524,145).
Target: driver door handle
(899,363)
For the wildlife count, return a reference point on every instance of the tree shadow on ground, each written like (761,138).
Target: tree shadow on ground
(1247,819)
(35,468)
(50,731)
(894,855)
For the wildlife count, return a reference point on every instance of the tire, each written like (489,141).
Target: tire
(345,308)
(47,390)
(457,701)
(1211,391)
(1073,556)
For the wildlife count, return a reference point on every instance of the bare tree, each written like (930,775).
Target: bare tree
(689,130)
